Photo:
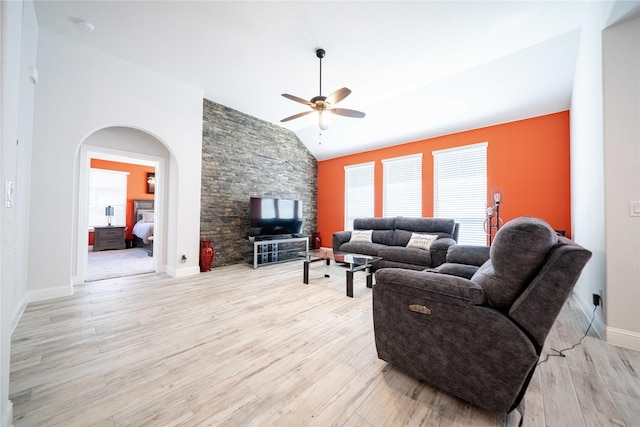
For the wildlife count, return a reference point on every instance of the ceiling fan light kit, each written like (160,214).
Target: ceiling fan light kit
(323,104)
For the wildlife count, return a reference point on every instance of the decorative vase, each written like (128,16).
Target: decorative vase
(315,242)
(206,255)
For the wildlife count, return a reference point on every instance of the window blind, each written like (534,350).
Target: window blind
(460,190)
(107,188)
(359,192)
(402,186)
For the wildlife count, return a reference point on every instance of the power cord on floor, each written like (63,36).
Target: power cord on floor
(561,352)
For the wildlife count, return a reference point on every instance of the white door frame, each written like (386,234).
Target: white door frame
(87,152)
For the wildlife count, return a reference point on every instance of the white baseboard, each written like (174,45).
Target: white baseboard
(613,336)
(622,338)
(7,414)
(17,314)
(183,272)
(50,293)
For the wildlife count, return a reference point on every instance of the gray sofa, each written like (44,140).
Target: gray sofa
(389,240)
(479,339)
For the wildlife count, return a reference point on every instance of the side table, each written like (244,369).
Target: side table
(110,237)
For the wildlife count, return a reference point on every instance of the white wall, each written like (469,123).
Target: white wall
(81,91)
(621,77)
(19,46)
(587,164)
(605,164)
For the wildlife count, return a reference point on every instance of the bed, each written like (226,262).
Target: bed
(143,216)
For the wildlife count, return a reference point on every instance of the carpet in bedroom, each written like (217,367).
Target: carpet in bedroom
(118,263)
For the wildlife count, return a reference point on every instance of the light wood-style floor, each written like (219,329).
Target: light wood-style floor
(244,347)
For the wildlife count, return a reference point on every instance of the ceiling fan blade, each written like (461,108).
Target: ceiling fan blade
(295,98)
(338,95)
(295,116)
(347,112)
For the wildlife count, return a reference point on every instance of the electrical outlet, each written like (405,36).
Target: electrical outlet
(596,300)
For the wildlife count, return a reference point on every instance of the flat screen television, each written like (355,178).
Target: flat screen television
(270,217)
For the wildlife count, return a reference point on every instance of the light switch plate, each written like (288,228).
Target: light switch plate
(634,208)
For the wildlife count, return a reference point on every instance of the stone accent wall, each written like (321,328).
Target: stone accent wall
(245,157)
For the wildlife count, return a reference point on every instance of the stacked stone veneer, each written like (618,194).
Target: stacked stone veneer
(245,157)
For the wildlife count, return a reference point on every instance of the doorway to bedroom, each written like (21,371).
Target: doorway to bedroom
(106,245)
(121,218)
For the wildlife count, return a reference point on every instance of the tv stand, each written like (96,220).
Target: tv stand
(275,237)
(278,248)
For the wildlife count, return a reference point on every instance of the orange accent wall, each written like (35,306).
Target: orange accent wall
(528,160)
(136,186)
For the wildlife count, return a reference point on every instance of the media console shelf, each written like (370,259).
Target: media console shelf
(278,250)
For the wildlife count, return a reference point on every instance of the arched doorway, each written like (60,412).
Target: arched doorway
(124,145)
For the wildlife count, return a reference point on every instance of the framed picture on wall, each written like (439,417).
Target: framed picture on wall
(151,183)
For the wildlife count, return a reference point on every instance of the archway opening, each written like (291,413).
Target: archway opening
(142,159)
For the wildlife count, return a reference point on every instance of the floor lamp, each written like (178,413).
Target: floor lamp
(493,222)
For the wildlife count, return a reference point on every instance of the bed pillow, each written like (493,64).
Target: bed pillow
(147,216)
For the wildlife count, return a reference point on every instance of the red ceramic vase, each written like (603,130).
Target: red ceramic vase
(315,243)
(206,255)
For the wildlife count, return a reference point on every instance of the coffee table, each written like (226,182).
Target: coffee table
(353,262)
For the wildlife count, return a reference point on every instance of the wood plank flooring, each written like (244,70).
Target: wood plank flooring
(244,347)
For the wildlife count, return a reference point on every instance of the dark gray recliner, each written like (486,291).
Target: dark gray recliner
(480,338)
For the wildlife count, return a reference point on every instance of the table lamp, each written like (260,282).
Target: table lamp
(108,212)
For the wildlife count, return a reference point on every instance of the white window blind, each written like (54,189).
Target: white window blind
(359,193)
(460,190)
(107,188)
(402,186)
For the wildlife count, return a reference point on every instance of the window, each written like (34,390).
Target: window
(460,190)
(107,188)
(402,186)
(358,191)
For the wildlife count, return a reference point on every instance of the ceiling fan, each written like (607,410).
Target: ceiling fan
(324,104)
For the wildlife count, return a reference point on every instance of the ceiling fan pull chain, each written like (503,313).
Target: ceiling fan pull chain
(320,54)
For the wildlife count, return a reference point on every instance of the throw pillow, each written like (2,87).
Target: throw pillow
(361,236)
(422,241)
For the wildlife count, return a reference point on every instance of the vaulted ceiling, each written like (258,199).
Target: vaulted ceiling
(417,69)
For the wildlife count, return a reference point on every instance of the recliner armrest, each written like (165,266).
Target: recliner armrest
(339,238)
(431,286)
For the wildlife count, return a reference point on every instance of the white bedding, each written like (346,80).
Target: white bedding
(143,230)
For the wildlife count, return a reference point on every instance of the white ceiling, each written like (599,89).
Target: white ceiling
(418,69)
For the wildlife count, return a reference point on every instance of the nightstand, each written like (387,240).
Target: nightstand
(108,238)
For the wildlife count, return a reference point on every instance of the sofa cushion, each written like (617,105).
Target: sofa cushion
(406,255)
(384,237)
(374,223)
(362,248)
(517,253)
(426,225)
(361,236)
(421,241)
(401,237)
(468,254)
